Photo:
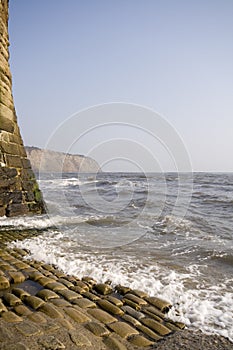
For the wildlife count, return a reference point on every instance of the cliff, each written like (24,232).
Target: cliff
(50,161)
(19,192)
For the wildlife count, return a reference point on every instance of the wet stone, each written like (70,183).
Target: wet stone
(139,293)
(60,302)
(123,329)
(22,252)
(132,304)
(149,333)
(5,334)
(140,341)
(21,265)
(122,290)
(89,280)
(114,344)
(103,288)
(76,315)
(11,299)
(55,286)
(48,267)
(172,326)
(66,324)
(97,329)
(156,326)
(79,339)
(109,307)
(84,303)
(91,296)
(44,281)
(2,307)
(82,285)
(79,290)
(50,327)
(58,274)
(101,316)
(34,302)
(46,294)
(11,317)
(6,267)
(154,316)
(161,304)
(69,294)
(37,317)
(35,275)
(51,311)
(114,300)
(68,284)
(20,293)
(131,320)
(153,310)
(51,343)
(22,310)
(27,329)
(135,299)
(4,283)
(47,273)
(16,277)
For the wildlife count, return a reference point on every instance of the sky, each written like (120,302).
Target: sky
(172,57)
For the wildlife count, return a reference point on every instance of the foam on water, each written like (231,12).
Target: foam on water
(209,308)
(39,222)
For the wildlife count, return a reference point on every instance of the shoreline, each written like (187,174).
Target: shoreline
(43,308)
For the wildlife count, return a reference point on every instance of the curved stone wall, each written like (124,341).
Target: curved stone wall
(19,192)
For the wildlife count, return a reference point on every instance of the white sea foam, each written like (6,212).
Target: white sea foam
(40,221)
(201,307)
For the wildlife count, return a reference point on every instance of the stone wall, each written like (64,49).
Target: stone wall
(19,192)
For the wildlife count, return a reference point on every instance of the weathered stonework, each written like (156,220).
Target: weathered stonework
(19,192)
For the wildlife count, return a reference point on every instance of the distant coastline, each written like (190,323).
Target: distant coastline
(51,161)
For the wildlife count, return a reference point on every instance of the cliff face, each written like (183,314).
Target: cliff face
(19,192)
(50,161)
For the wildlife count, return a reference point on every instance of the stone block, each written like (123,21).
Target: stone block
(114,344)
(123,329)
(9,148)
(9,172)
(4,283)
(109,307)
(11,317)
(103,288)
(16,209)
(2,212)
(76,315)
(7,112)
(98,329)
(13,161)
(51,311)
(156,326)
(135,299)
(161,304)
(16,197)
(6,124)
(26,163)
(11,299)
(140,341)
(102,316)
(34,302)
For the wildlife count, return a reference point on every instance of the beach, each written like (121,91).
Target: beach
(43,308)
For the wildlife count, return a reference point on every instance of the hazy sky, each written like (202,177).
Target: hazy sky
(173,56)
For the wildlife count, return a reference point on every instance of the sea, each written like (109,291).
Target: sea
(168,234)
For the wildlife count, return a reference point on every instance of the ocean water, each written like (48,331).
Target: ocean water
(168,234)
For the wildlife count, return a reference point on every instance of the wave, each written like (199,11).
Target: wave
(195,304)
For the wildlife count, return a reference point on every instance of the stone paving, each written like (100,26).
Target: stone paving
(42,308)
